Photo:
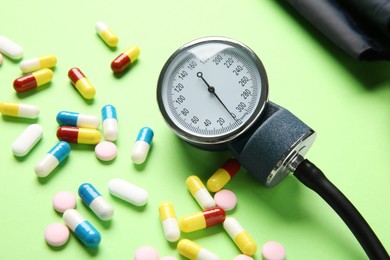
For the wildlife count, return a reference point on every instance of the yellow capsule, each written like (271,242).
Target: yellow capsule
(194,251)
(169,222)
(19,110)
(78,135)
(223,175)
(201,220)
(199,192)
(108,36)
(240,237)
(33,80)
(47,61)
(82,84)
(125,59)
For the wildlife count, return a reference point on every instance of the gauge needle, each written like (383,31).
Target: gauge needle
(211,89)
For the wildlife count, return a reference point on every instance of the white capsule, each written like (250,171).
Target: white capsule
(10,48)
(128,192)
(96,202)
(110,123)
(141,145)
(27,140)
(52,159)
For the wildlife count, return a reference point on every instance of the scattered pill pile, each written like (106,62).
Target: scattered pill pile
(79,128)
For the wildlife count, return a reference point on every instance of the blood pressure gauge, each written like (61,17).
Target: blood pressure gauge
(213,93)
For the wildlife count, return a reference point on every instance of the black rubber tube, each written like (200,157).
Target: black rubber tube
(313,178)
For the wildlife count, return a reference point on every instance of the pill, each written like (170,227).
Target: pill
(34,64)
(240,237)
(201,220)
(81,83)
(33,80)
(194,251)
(82,228)
(19,110)
(64,200)
(108,36)
(10,48)
(141,145)
(110,123)
(27,140)
(223,175)
(52,159)
(67,118)
(106,151)
(125,59)
(169,221)
(199,192)
(273,251)
(242,257)
(95,201)
(56,234)
(146,253)
(128,192)
(78,135)
(225,199)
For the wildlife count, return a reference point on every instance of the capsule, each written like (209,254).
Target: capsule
(82,228)
(125,59)
(78,135)
(169,222)
(128,192)
(34,64)
(33,80)
(81,83)
(52,159)
(27,140)
(223,175)
(110,123)
(19,110)
(92,198)
(194,251)
(240,237)
(201,220)
(199,192)
(67,118)
(141,145)
(108,36)
(10,48)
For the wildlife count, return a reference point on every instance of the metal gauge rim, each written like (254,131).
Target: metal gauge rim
(223,138)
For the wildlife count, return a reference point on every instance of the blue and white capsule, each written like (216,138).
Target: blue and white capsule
(110,123)
(52,159)
(82,228)
(95,201)
(67,118)
(142,145)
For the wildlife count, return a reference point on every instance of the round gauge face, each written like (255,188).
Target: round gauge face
(212,90)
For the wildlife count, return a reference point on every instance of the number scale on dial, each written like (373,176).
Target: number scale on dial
(197,109)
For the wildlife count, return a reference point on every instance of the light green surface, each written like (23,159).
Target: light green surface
(345,101)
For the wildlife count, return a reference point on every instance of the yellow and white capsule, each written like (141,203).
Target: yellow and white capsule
(19,110)
(199,192)
(34,64)
(108,36)
(194,251)
(169,222)
(240,237)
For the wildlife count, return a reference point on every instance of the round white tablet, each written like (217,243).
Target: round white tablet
(56,234)
(106,151)
(273,251)
(64,200)
(225,199)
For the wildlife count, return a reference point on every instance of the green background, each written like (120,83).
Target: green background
(346,102)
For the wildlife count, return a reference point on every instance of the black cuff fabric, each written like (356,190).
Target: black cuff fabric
(361,28)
